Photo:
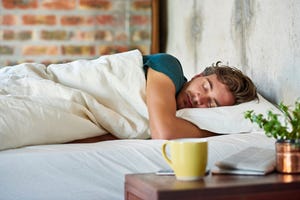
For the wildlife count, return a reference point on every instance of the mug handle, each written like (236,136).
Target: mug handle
(163,148)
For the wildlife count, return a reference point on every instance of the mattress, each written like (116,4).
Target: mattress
(96,170)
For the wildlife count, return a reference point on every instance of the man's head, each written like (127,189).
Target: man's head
(216,86)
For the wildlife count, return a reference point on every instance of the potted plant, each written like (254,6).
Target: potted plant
(285,129)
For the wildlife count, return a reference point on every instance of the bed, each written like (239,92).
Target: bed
(58,104)
(95,170)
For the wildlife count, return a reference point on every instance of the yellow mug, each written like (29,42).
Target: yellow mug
(188,157)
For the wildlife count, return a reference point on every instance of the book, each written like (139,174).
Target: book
(250,161)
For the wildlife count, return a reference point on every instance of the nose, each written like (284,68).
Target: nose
(200,101)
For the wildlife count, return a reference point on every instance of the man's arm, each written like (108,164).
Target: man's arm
(161,103)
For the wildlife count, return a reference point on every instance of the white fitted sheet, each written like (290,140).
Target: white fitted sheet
(96,170)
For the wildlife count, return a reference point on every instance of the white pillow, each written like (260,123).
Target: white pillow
(227,119)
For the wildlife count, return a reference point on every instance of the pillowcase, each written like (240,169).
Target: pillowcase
(228,119)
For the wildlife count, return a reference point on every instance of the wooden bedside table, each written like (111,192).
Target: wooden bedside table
(214,187)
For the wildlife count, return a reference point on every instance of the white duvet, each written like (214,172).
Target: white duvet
(80,99)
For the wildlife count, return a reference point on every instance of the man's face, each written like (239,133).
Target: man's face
(204,92)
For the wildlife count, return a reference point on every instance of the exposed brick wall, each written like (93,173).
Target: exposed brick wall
(54,31)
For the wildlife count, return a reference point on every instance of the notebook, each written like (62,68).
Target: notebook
(250,161)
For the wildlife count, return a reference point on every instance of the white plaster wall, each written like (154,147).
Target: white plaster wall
(274,47)
(180,41)
(260,37)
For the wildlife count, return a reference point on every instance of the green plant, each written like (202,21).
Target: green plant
(287,129)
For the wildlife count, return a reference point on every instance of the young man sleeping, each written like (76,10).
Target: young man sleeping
(167,90)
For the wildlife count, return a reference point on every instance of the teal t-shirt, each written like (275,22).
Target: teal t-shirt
(167,64)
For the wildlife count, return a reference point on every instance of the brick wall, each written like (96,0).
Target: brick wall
(54,31)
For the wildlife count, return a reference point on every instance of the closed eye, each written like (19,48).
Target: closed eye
(213,101)
(207,85)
